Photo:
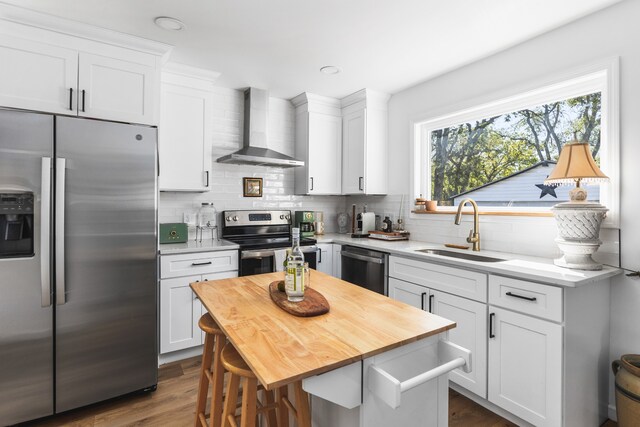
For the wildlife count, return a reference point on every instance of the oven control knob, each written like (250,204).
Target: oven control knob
(281,216)
(288,217)
(235,218)
(228,218)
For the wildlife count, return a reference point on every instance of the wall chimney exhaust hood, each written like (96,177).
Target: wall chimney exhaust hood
(255,151)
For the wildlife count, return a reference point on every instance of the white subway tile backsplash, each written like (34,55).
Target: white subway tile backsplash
(515,234)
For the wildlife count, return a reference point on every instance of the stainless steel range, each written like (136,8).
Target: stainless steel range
(261,234)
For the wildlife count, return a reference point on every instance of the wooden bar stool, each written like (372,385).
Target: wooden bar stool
(211,373)
(250,407)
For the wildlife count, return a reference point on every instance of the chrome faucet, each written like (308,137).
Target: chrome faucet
(474,235)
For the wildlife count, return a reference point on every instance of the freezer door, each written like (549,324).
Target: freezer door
(106,333)
(26,316)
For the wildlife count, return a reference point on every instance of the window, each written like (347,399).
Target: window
(504,159)
(500,153)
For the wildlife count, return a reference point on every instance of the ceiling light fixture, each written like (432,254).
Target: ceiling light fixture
(168,23)
(330,69)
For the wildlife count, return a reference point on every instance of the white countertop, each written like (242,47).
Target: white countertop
(192,246)
(518,266)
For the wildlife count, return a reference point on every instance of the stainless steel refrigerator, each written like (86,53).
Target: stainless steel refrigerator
(78,264)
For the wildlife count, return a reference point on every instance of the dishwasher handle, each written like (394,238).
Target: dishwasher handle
(362,257)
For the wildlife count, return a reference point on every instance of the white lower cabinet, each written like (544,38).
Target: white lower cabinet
(337,261)
(324,258)
(180,310)
(539,352)
(179,314)
(408,293)
(525,366)
(470,331)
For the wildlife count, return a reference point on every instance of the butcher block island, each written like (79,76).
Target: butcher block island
(369,361)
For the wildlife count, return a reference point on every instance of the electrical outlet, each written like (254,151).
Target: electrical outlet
(189,218)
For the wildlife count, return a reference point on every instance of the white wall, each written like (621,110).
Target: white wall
(611,32)
(226,179)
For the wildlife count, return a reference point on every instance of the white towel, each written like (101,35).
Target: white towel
(280,255)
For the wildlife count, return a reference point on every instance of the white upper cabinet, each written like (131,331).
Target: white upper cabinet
(185,131)
(36,76)
(117,89)
(63,67)
(318,144)
(364,143)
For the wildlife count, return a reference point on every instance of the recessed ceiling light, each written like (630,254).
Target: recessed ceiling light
(168,23)
(330,69)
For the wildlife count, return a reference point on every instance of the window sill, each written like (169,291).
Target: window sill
(492,213)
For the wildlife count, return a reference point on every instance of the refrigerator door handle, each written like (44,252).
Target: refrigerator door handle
(45,232)
(60,191)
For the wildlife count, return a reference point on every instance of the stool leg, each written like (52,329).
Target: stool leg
(272,420)
(218,384)
(249,402)
(302,405)
(231,399)
(283,412)
(203,388)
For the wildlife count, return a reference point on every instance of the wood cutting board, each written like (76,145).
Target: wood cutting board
(313,304)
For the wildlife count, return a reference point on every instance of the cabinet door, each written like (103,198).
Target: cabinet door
(353,146)
(324,261)
(184,138)
(337,261)
(525,366)
(408,293)
(116,89)
(325,154)
(470,332)
(37,76)
(179,314)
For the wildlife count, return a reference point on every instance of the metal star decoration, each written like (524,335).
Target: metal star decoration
(547,189)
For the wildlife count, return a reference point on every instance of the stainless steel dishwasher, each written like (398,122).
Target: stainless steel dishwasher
(365,268)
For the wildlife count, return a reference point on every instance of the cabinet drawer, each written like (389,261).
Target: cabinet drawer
(464,283)
(200,263)
(526,297)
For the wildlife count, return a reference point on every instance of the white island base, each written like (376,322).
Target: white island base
(406,386)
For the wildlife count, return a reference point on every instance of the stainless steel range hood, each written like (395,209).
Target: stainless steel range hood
(255,151)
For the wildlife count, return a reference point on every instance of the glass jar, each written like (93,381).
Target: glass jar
(207,216)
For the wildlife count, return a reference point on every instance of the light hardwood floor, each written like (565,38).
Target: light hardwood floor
(173,404)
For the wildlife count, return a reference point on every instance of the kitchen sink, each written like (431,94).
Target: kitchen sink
(461,255)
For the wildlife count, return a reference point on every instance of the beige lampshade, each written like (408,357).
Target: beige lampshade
(576,164)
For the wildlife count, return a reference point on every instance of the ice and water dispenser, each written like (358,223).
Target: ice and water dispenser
(16,225)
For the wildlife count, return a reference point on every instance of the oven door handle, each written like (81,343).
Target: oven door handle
(264,253)
(363,257)
(257,254)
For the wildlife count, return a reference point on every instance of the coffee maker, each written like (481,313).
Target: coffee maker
(304,221)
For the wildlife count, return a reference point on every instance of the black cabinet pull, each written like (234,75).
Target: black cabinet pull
(207,175)
(71,98)
(201,263)
(360,184)
(521,296)
(491,334)
(319,256)
(422,295)
(311,189)
(431,297)
(83,101)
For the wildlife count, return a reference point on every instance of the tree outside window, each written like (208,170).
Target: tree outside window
(499,160)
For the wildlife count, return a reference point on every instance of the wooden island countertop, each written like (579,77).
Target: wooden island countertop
(281,348)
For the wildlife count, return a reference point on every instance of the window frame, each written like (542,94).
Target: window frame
(602,76)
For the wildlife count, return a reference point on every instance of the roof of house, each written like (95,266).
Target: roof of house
(545,163)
